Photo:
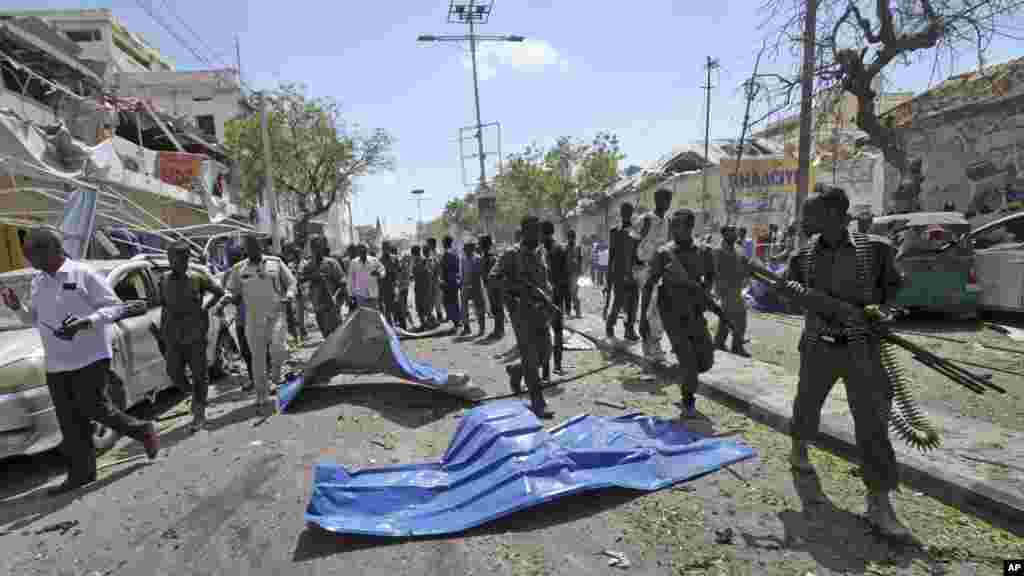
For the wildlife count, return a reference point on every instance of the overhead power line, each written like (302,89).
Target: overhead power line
(147,7)
(170,9)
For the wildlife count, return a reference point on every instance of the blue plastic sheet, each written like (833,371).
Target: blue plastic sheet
(501,460)
(366,344)
(761,297)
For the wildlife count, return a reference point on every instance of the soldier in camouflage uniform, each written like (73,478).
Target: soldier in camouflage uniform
(731,276)
(686,273)
(524,276)
(403,278)
(184,322)
(859,270)
(324,275)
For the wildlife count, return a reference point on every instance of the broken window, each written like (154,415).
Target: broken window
(207,125)
(84,35)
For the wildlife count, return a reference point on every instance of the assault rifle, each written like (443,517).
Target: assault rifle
(868,317)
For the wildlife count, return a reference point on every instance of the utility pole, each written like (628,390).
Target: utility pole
(474,12)
(711,64)
(751,88)
(476,104)
(238,59)
(269,195)
(803,183)
(418,193)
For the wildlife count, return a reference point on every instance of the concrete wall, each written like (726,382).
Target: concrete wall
(969,158)
(189,94)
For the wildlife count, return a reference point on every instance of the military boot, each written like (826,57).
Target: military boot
(198,417)
(538,406)
(883,518)
(739,351)
(515,378)
(798,457)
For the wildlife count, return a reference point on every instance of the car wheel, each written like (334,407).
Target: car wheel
(104,437)
(224,355)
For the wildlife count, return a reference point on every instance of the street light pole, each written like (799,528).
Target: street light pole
(476,100)
(418,193)
(474,12)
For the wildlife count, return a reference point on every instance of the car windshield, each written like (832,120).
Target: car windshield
(914,240)
(21,282)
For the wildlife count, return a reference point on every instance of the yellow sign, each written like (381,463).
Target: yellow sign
(761,185)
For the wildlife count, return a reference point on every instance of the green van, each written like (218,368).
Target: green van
(940,277)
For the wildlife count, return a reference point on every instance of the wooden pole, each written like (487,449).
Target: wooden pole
(806,109)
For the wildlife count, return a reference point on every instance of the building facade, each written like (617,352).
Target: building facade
(969,134)
(102,38)
(209,98)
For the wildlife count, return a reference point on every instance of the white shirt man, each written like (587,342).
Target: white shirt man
(77,291)
(654,233)
(73,307)
(364,286)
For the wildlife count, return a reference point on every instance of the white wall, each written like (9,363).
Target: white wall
(177,93)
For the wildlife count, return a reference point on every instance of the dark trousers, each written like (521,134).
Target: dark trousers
(474,299)
(402,307)
(80,397)
(497,309)
(327,319)
(626,297)
(193,355)
(534,342)
(563,298)
(451,305)
(868,393)
(512,305)
(387,301)
(424,304)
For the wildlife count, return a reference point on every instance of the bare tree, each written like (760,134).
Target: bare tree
(858,39)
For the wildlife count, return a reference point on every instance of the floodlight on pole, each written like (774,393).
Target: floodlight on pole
(474,12)
(418,193)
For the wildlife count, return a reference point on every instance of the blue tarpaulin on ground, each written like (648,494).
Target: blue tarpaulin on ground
(761,297)
(366,344)
(501,460)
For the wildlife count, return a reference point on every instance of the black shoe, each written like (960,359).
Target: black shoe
(632,336)
(542,411)
(609,333)
(70,485)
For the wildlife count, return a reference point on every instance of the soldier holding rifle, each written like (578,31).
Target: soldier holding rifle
(858,271)
(686,272)
(524,278)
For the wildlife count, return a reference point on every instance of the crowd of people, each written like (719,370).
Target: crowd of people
(657,277)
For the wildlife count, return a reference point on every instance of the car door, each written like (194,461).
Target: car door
(999,261)
(146,363)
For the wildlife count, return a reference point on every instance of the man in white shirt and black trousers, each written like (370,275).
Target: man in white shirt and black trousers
(73,307)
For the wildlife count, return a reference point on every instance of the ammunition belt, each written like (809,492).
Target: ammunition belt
(865,265)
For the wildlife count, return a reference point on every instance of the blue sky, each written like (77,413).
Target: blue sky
(632,68)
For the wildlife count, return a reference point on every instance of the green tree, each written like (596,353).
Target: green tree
(859,39)
(316,154)
(462,213)
(554,180)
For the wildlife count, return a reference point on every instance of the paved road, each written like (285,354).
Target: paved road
(230,500)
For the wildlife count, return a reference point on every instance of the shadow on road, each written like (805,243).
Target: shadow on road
(25,508)
(838,540)
(401,403)
(314,542)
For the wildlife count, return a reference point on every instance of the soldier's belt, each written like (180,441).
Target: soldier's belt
(832,339)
